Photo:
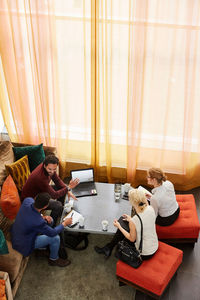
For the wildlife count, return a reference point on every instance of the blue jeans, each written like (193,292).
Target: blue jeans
(42,241)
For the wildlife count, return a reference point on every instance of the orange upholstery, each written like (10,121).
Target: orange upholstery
(154,274)
(187,225)
(2,289)
(10,202)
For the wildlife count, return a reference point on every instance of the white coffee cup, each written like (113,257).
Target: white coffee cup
(126,188)
(81,221)
(67,207)
(104,225)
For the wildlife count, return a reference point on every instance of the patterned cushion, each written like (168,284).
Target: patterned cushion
(35,154)
(10,201)
(5,224)
(6,157)
(19,171)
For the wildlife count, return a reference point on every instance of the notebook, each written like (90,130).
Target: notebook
(124,223)
(86,186)
(75,217)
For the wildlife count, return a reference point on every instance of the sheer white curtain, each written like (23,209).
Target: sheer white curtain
(111,83)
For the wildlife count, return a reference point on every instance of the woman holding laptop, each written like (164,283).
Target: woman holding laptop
(132,233)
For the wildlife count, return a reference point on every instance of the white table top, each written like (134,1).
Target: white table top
(100,207)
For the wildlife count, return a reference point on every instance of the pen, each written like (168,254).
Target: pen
(72,215)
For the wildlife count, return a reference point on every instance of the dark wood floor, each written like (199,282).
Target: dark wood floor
(186,285)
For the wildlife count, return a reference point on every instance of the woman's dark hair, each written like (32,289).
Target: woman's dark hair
(42,200)
(51,159)
(158,174)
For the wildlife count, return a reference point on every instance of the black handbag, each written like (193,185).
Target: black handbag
(76,240)
(127,252)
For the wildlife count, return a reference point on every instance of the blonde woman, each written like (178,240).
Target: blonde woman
(164,199)
(133,233)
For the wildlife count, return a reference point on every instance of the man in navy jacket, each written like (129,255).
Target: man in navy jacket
(31,230)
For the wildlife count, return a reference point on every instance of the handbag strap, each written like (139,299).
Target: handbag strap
(141,240)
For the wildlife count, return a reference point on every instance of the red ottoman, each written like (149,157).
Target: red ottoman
(186,228)
(153,276)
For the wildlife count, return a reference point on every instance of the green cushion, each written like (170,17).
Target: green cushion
(3,244)
(35,154)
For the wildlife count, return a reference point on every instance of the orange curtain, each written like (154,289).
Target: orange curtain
(45,51)
(110,83)
(163,103)
(27,30)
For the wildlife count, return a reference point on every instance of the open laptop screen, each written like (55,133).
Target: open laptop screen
(84,175)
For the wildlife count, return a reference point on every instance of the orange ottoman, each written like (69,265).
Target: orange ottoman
(186,228)
(153,276)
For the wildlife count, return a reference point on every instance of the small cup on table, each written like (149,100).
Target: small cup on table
(117,191)
(104,225)
(81,222)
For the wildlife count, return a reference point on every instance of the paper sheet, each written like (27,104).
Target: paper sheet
(141,188)
(75,218)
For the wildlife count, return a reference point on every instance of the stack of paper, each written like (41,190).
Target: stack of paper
(141,188)
(75,217)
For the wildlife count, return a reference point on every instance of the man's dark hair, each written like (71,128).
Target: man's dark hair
(51,159)
(41,200)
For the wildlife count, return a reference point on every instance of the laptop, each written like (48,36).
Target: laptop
(87,186)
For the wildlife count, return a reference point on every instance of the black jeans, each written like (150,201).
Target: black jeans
(56,206)
(56,210)
(166,221)
(119,237)
(116,239)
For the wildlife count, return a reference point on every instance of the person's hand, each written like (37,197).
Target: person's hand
(126,217)
(73,183)
(67,221)
(71,195)
(48,219)
(116,223)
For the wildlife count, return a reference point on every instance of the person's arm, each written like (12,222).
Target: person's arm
(58,181)
(61,185)
(49,231)
(131,236)
(48,219)
(55,194)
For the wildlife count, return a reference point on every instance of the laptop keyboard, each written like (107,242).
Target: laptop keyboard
(83,185)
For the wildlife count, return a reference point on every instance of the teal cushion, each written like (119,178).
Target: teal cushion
(3,244)
(35,154)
